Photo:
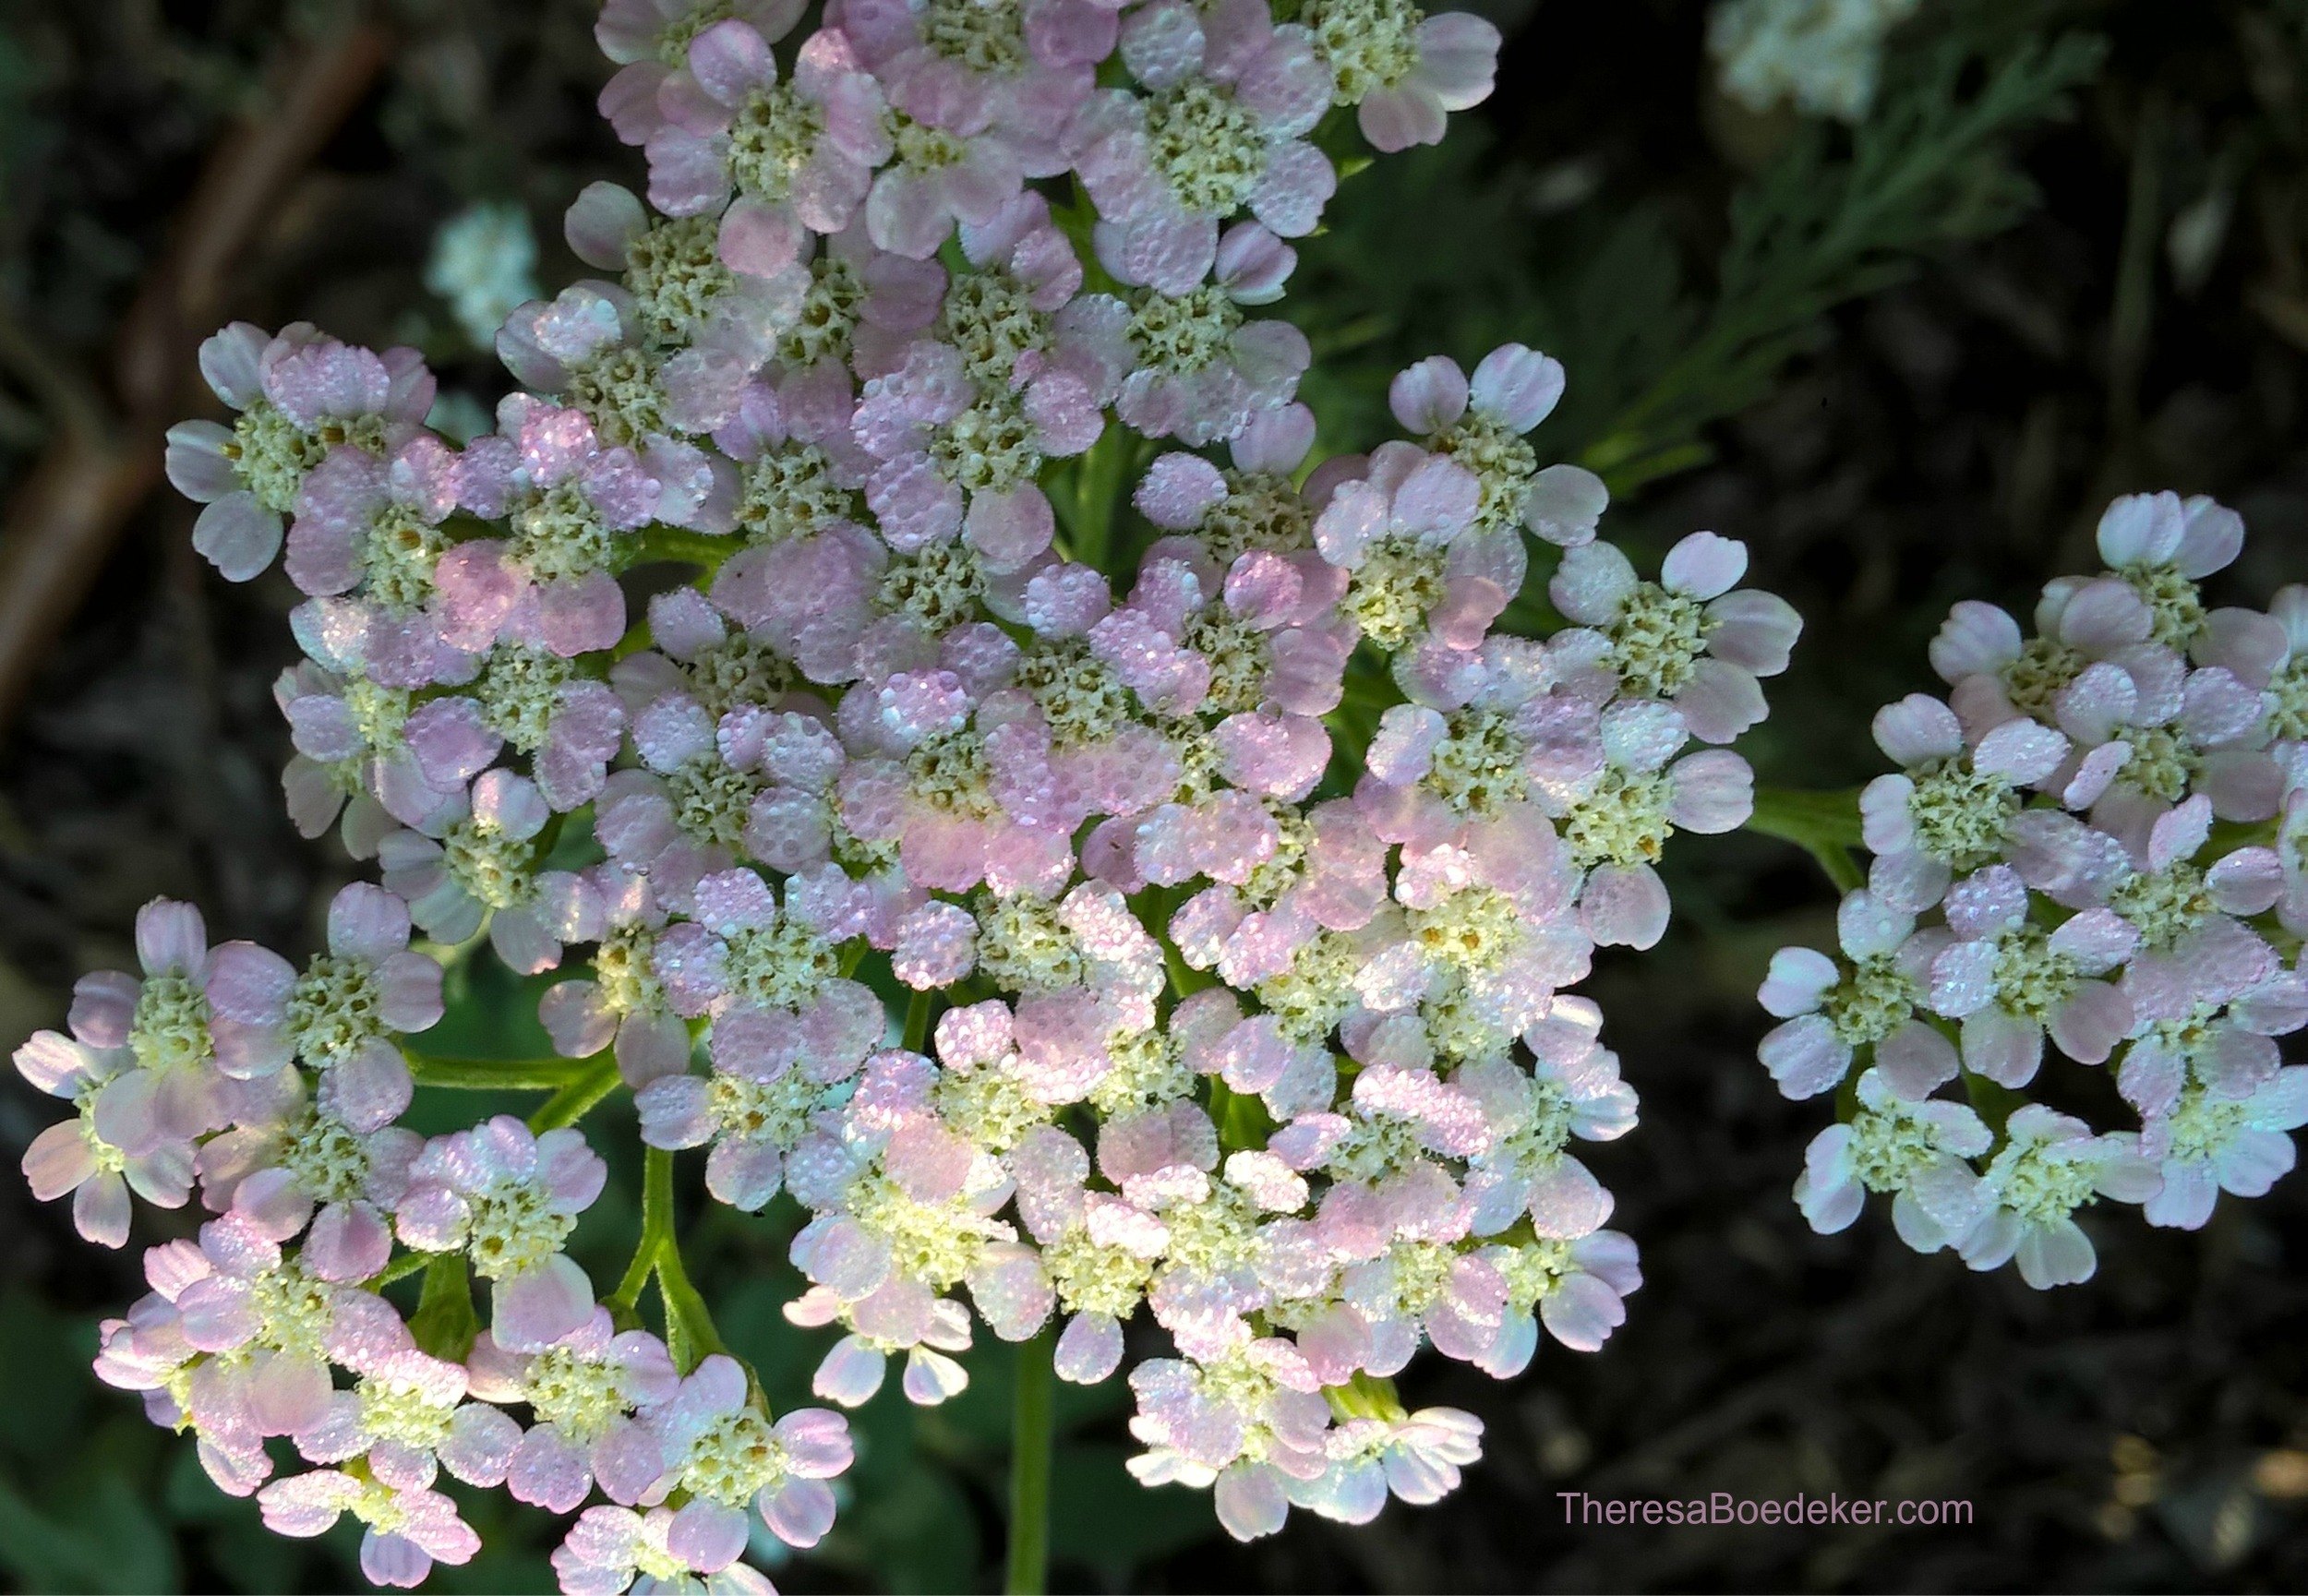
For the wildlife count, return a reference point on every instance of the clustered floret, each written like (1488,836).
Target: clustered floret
(2094,841)
(1235,881)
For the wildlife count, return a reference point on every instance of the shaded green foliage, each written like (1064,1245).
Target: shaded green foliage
(1442,249)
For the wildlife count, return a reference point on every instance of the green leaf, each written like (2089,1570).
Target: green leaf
(1820,227)
(37,1552)
(1438,249)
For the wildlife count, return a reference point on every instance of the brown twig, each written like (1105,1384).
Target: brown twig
(105,457)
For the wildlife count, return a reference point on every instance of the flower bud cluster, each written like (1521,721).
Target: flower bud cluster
(1229,885)
(2092,852)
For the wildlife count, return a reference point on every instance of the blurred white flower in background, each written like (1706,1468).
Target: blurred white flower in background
(1824,56)
(484,263)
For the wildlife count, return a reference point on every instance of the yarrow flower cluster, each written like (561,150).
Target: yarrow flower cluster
(1821,56)
(1229,885)
(2093,852)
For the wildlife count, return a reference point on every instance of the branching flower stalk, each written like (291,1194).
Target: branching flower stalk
(1097,858)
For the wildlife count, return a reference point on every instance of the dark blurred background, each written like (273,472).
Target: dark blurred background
(1907,363)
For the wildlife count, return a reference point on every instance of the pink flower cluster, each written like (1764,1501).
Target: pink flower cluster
(275,1091)
(1236,880)
(2095,842)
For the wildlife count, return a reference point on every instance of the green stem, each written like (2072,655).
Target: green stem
(1823,824)
(1032,1425)
(689,1324)
(1078,219)
(1088,493)
(685,547)
(401,1268)
(917,1023)
(656,1226)
(577,1099)
(496,1074)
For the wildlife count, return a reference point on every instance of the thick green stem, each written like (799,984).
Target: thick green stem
(577,1099)
(1031,1430)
